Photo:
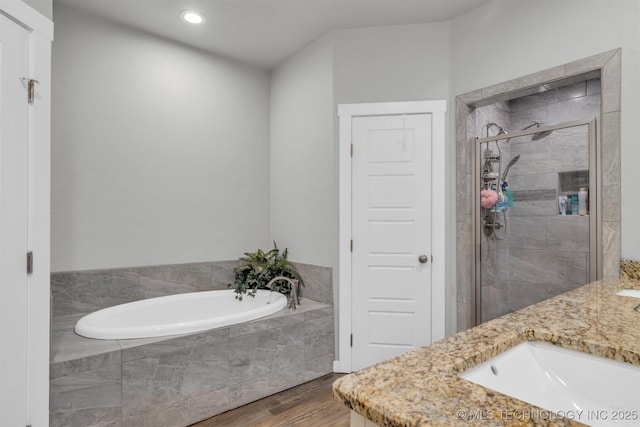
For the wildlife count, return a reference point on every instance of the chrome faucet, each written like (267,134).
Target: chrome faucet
(293,295)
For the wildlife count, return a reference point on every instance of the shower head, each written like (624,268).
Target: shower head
(539,135)
(511,163)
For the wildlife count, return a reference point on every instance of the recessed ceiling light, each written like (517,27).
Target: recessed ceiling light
(192,17)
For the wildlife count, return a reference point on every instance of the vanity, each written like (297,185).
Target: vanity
(424,387)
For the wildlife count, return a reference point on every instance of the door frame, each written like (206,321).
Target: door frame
(346,113)
(39,135)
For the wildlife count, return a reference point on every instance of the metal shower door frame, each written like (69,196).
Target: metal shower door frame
(595,220)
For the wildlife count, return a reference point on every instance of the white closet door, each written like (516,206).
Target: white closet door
(391,308)
(14,161)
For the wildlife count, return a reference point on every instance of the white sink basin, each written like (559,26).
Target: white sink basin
(590,389)
(629,293)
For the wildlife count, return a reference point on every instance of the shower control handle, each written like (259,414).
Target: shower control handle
(423,258)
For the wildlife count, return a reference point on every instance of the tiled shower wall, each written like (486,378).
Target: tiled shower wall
(544,254)
(608,66)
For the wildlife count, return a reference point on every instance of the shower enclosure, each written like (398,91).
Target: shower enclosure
(535,213)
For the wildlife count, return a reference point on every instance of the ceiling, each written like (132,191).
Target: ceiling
(265,32)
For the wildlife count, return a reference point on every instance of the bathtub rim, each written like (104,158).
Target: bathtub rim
(86,327)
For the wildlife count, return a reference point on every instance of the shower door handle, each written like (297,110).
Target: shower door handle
(423,258)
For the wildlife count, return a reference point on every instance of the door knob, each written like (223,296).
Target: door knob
(423,258)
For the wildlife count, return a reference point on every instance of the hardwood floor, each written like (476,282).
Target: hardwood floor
(307,405)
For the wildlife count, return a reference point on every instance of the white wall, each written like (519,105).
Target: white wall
(392,63)
(303,171)
(504,40)
(160,152)
(45,7)
(399,63)
(377,64)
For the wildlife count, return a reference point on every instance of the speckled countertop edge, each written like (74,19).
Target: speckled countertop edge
(630,269)
(422,387)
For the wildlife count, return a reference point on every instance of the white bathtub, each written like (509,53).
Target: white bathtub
(178,314)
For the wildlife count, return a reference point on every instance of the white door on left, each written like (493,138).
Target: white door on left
(14,161)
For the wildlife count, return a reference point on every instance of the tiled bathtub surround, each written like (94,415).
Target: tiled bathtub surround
(88,291)
(469,112)
(178,380)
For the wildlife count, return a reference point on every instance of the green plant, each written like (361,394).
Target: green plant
(260,267)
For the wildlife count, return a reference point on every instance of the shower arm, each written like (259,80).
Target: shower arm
(489,125)
(536,130)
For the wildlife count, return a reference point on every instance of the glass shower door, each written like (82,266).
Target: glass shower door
(535,223)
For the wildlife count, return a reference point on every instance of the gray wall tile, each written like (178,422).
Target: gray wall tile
(316,368)
(611,248)
(88,291)
(319,338)
(138,349)
(575,90)
(67,346)
(523,118)
(292,318)
(83,364)
(183,413)
(161,280)
(527,232)
(548,266)
(222,274)
(611,87)
(568,153)
(533,101)
(530,208)
(463,260)
(567,233)
(251,356)
(317,282)
(494,303)
(542,181)
(156,382)
(593,86)
(574,109)
(524,294)
(86,399)
(611,159)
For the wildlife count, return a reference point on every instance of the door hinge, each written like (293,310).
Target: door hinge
(29,262)
(31,89)
(351,245)
(431,259)
(351,150)
(351,341)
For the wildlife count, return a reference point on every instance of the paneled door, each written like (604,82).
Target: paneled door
(14,160)
(391,232)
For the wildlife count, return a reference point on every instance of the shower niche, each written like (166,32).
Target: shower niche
(535,187)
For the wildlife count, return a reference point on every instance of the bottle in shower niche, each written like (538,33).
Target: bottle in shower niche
(582,201)
(575,208)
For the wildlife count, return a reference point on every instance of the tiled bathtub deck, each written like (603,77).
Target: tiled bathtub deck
(178,380)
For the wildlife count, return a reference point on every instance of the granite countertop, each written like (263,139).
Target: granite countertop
(422,387)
